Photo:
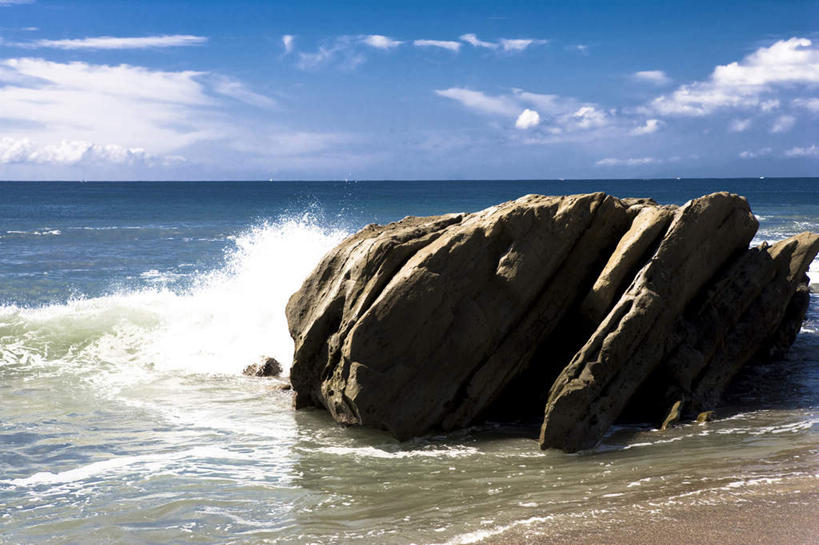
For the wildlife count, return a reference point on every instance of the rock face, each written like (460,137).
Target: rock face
(587,303)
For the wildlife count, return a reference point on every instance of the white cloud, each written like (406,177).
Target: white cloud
(811,104)
(444,44)
(811,151)
(518,44)
(505,44)
(237,90)
(287,41)
(650,126)
(43,102)
(473,40)
(552,105)
(341,51)
(113,42)
(527,119)
(57,117)
(13,150)
(345,51)
(480,102)
(73,152)
(560,119)
(14,2)
(633,161)
(380,42)
(124,81)
(742,84)
(769,105)
(589,117)
(582,48)
(753,154)
(739,125)
(656,77)
(783,123)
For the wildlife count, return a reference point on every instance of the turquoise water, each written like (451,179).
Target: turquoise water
(127,311)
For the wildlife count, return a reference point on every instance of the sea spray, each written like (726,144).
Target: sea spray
(223,321)
(233,315)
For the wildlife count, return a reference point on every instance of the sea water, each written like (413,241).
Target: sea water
(128,310)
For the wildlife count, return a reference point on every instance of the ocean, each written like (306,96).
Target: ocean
(128,311)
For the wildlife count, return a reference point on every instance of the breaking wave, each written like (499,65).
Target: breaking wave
(224,320)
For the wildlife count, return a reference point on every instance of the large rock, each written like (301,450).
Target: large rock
(456,317)
(754,309)
(431,323)
(341,289)
(633,338)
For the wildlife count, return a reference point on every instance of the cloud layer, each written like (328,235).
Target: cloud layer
(443,44)
(558,118)
(73,152)
(114,42)
(69,113)
(656,77)
(745,83)
(347,51)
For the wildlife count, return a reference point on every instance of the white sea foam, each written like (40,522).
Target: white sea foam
(148,462)
(223,322)
(478,536)
(39,233)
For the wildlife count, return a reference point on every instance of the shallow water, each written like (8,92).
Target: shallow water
(124,419)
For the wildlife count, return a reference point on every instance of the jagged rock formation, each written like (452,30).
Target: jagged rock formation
(587,304)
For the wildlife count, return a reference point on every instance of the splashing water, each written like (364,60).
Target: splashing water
(224,321)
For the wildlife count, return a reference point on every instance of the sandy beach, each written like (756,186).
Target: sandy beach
(793,520)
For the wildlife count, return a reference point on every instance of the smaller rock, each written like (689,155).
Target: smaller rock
(267,367)
(705,416)
(673,415)
(285,387)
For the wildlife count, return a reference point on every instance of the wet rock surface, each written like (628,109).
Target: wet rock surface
(266,367)
(585,306)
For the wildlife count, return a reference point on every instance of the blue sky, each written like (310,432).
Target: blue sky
(421,90)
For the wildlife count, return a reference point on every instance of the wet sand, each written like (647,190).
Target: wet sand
(791,520)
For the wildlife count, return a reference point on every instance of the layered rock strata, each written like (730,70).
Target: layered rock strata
(588,304)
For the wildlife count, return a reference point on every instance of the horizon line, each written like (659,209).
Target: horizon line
(392,180)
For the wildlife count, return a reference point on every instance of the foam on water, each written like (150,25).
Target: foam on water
(148,462)
(224,321)
(45,231)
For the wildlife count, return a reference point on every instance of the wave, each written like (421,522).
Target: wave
(152,462)
(45,231)
(224,321)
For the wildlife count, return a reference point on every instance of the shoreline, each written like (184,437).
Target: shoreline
(791,519)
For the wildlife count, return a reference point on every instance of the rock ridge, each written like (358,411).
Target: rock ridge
(587,306)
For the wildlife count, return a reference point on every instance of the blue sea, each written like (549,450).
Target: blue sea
(128,311)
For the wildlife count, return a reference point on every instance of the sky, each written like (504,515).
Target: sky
(249,90)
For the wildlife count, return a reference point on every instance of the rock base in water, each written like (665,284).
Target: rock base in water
(587,305)
(267,367)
